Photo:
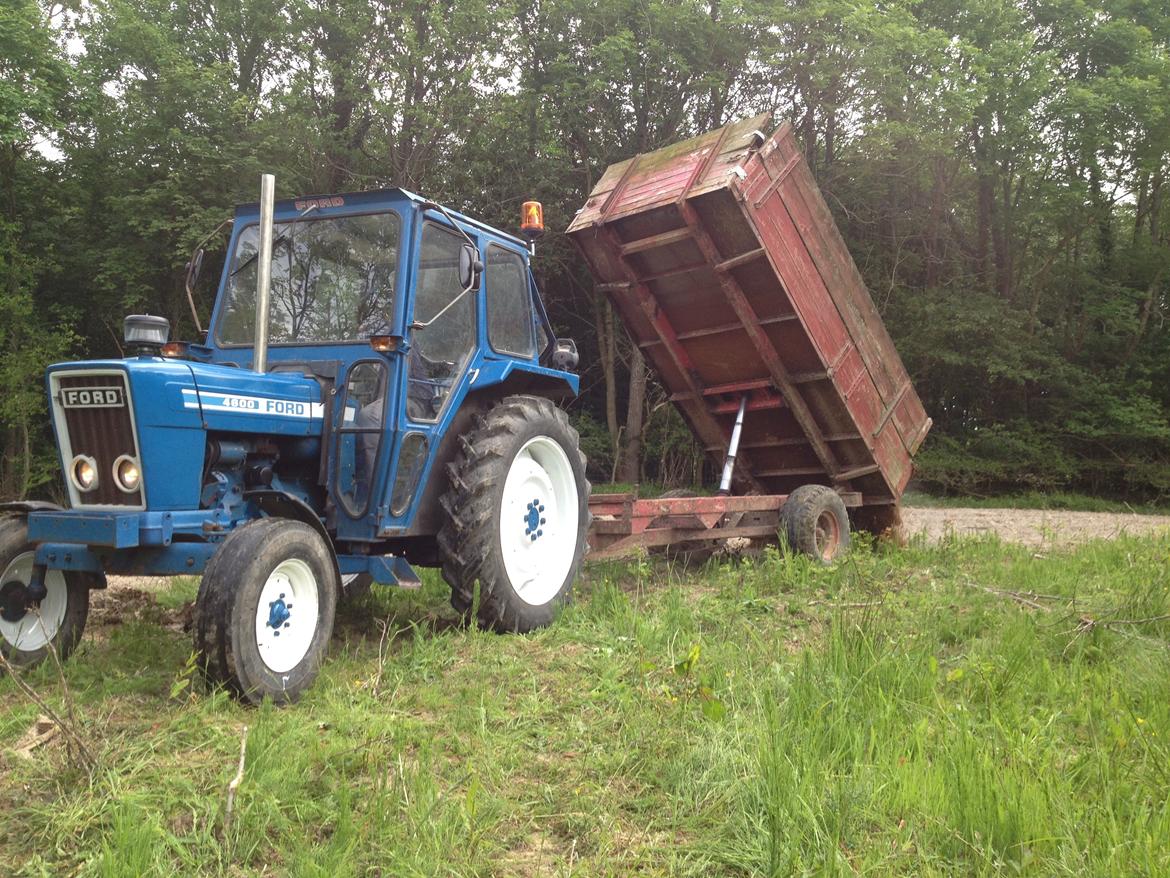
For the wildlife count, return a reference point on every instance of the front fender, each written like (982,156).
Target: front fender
(278,504)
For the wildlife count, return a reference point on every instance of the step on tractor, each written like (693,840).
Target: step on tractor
(377,390)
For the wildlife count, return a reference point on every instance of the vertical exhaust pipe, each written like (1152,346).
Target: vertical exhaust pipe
(264,272)
(732,449)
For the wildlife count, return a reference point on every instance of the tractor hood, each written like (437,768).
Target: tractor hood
(170,393)
(160,411)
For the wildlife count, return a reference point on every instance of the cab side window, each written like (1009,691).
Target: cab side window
(438,352)
(509,303)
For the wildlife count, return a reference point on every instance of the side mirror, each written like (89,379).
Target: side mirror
(194,267)
(470,266)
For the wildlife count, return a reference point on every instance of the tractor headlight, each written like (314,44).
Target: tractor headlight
(84,473)
(127,474)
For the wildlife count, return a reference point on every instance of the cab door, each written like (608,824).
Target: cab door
(361,432)
(441,344)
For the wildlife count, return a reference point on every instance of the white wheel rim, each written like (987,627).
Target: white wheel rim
(538,520)
(37,628)
(287,615)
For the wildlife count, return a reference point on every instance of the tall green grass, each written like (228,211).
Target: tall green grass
(909,712)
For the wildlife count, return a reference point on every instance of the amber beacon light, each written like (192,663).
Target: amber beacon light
(532,220)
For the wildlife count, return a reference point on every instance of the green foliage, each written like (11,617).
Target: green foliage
(998,171)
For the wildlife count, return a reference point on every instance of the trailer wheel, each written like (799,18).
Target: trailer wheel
(814,520)
(265,610)
(28,629)
(517,514)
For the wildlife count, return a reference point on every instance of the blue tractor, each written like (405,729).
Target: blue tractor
(376,391)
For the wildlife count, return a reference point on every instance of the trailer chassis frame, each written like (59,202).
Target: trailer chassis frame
(623,524)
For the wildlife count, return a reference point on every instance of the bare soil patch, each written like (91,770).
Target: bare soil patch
(1031,527)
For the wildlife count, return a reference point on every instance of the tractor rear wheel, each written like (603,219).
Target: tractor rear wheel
(815,522)
(517,515)
(265,610)
(29,629)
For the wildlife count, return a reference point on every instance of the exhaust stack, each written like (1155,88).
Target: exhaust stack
(264,273)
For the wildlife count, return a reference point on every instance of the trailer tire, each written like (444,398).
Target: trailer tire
(493,535)
(24,641)
(815,523)
(269,573)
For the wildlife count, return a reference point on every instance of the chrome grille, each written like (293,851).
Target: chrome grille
(94,418)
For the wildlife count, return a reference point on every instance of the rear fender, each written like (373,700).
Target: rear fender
(518,376)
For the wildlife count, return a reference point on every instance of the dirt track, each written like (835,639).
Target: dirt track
(1031,527)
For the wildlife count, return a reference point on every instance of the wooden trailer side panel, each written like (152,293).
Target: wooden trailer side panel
(722,260)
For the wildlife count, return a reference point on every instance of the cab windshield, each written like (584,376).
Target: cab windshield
(332,281)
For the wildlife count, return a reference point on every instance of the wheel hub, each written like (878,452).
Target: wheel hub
(828,535)
(279,613)
(282,639)
(533,521)
(14,601)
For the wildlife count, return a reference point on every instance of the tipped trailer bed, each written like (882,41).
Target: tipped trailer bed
(723,261)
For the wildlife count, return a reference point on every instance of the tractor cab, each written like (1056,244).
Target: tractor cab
(397,309)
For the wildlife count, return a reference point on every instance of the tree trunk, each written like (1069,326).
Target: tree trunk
(26,460)
(985,205)
(1155,205)
(631,468)
(607,348)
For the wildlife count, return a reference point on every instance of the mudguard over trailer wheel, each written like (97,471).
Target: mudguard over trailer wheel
(265,610)
(517,513)
(815,523)
(29,629)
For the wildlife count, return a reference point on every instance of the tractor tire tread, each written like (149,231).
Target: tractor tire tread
(465,540)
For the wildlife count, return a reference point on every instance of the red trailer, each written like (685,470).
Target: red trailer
(723,260)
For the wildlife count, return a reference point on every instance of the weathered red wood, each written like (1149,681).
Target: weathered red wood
(754,404)
(700,418)
(764,347)
(654,241)
(741,259)
(722,259)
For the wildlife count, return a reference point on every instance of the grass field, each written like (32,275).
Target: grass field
(965,709)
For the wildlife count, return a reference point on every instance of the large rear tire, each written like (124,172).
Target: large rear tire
(815,522)
(517,515)
(265,610)
(28,630)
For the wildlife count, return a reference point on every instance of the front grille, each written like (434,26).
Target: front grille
(94,420)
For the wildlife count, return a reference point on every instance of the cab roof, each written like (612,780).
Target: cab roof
(360,202)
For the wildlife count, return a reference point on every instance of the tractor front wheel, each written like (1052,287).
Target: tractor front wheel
(29,628)
(517,514)
(265,610)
